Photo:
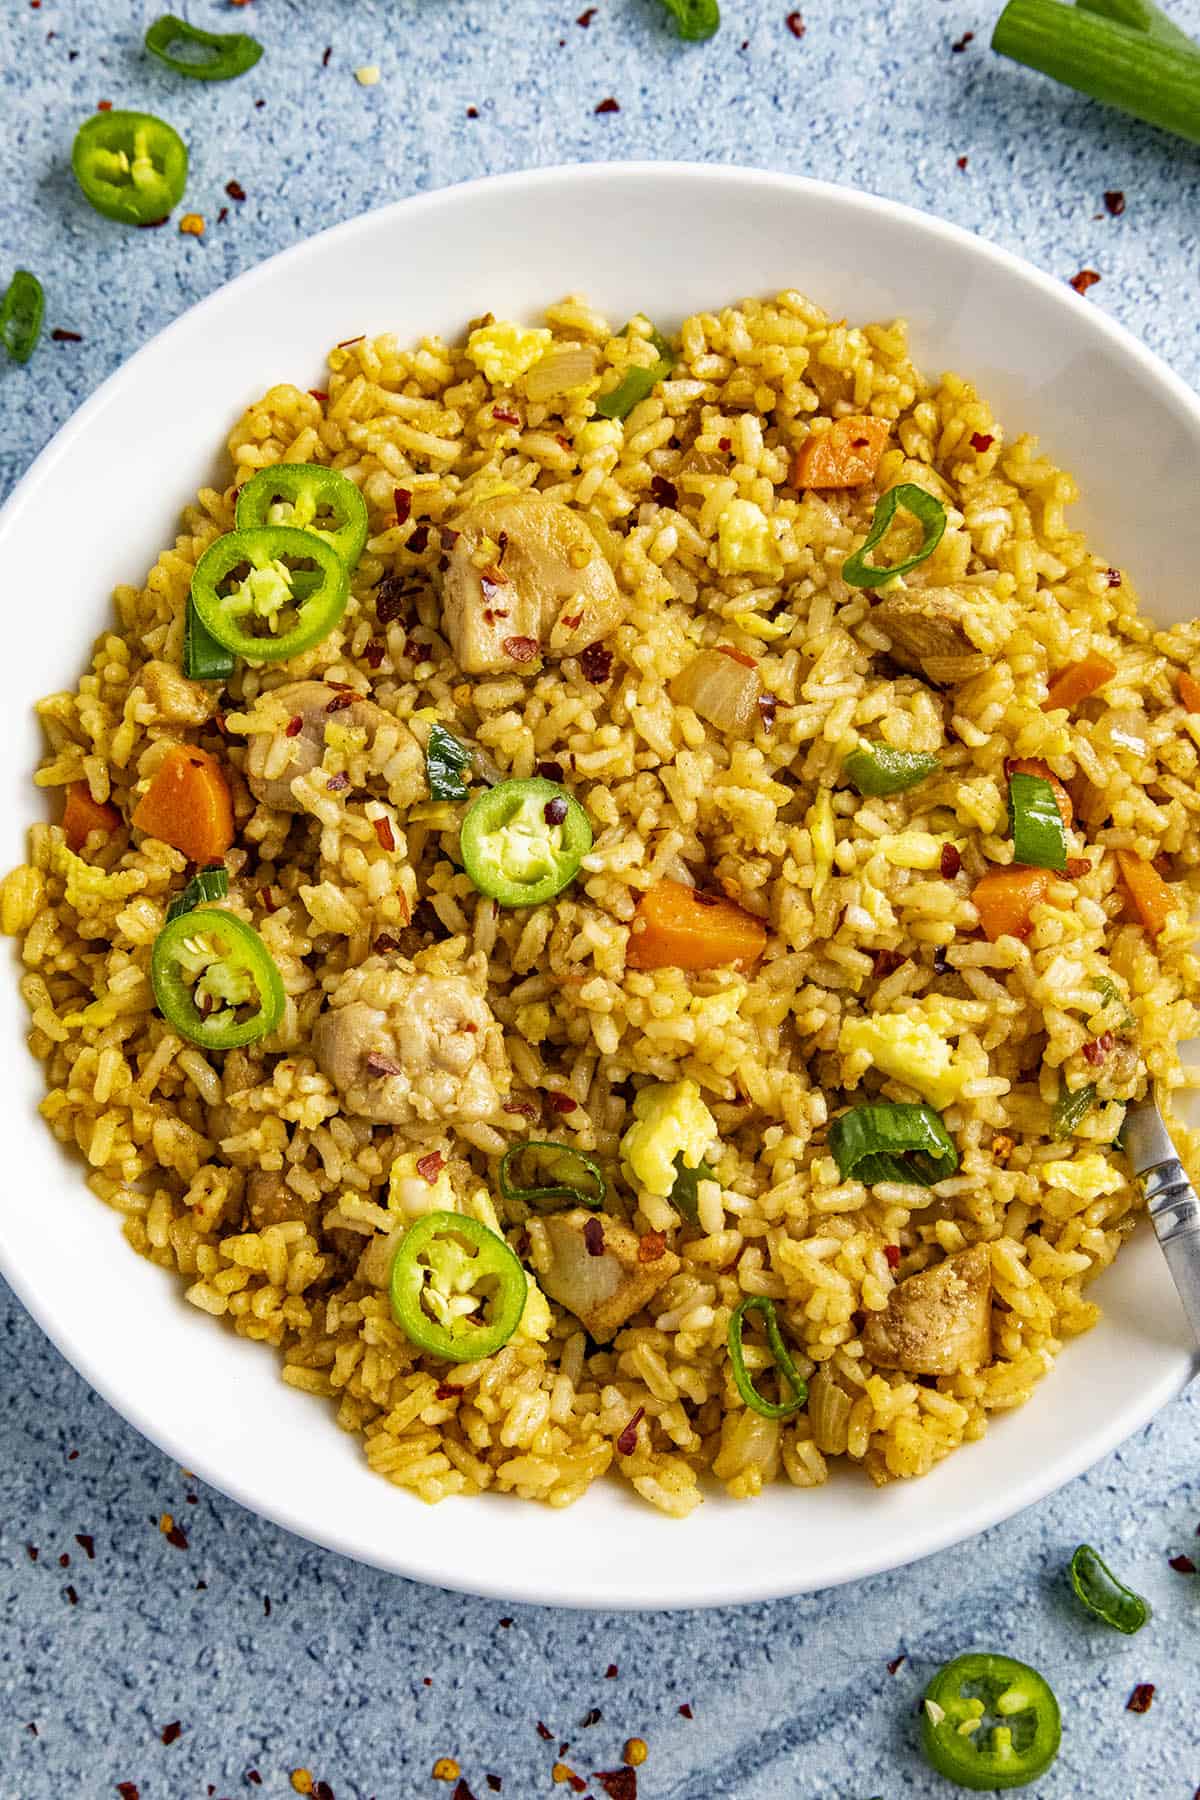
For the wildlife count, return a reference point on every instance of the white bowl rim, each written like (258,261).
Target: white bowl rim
(712,1588)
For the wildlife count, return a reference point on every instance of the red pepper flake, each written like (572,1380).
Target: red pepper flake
(430,1167)
(104,106)
(338,783)
(32,1728)
(520,649)
(561,1103)
(346,342)
(960,162)
(896,1664)
(128,1790)
(66,337)
(573,621)
(390,599)
(319,395)
(1085,279)
(253,1776)
(593,1237)
(32,1552)
(462,1792)
(592,1716)
(170,1732)
(1140,1699)
(585,18)
(494,1782)
(555,811)
(505,1623)
(1114,578)
(892,1252)
(951,861)
(608,106)
(328,52)
(71,1455)
(522,1107)
(595,664)
(542,1731)
(724,443)
(418,539)
(504,415)
(1096,1051)
(235,190)
(981,441)
(221,218)
(886,963)
(1078,866)
(611,1673)
(795,24)
(473,113)
(1114,201)
(651,1246)
(664,491)
(618,1784)
(378,1064)
(294,726)
(446,1391)
(738,656)
(767,707)
(323,1791)
(87,1544)
(685,1711)
(64,1561)
(960,44)
(72,1596)
(177,1536)
(385,834)
(1182,1565)
(339,703)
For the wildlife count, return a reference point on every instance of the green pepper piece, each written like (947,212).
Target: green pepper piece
(457,1290)
(1100,1591)
(930,513)
(131,166)
(684,1197)
(312,497)
(768,1409)
(552,1172)
(877,769)
(1071,1109)
(221,55)
(523,841)
(695,20)
(206,885)
(1019,1729)
(445,760)
(206,965)
(1038,835)
(637,383)
(893,1142)
(249,576)
(203,658)
(21,311)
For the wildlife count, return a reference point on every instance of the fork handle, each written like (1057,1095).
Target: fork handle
(1173,1206)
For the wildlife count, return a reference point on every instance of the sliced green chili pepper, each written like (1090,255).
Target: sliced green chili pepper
(523,841)
(216,55)
(769,1409)
(1039,838)
(445,760)
(1018,1730)
(311,497)
(207,966)
(637,383)
(893,1142)
(876,769)
(1100,1591)
(928,512)
(21,312)
(694,19)
(1071,1109)
(131,166)
(205,886)
(684,1195)
(457,1290)
(551,1172)
(203,658)
(248,577)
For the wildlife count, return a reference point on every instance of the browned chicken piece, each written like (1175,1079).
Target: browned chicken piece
(176,700)
(946,634)
(526,579)
(593,1265)
(401,1046)
(397,766)
(938,1321)
(270,1201)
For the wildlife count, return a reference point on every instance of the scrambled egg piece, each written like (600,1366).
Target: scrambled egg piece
(347,738)
(1087,1176)
(745,541)
(910,1048)
(411,1196)
(503,351)
(917,849)
(767,629)
(823,831)
(599,434)
(670,1120)
(87,886)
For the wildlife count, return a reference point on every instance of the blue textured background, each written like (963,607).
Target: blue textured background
(273,1655)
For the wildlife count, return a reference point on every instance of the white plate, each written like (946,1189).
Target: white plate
(102,499)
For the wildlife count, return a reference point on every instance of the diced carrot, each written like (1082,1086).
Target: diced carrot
(1005,900)
(1033,765)
(674,927)
(82,815)
(1189,691)
(1079,679)
(845,456)
(1153,898)
(188,804)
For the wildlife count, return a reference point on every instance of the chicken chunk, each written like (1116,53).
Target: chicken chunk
(944,633)
(402,1046)
(526,578)
(592,1264)
(175,699)
(938,1321)
(270,1201)
(276,757)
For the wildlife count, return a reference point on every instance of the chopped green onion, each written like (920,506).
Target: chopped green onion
(552,1172)
(445,760)
(21,309)
(637,383)
(207,55)
(694,19)
(1071,1109)
(1100,1591)
(892,1142)
(204,659)
(1140,15)
(930,513)
(1108,991)
(769,1409)
(205,886)
(1142,72)
(877,769)
(684,1197)
(1038,834)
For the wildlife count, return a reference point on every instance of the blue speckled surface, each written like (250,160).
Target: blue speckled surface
(793,1699)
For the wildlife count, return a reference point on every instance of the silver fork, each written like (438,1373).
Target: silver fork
(1170,1200)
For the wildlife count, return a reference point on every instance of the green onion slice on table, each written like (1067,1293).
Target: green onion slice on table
(456,1288)
(205,886)
(1109,1599)
(131,166)
(1018,1730)
(892,1142)
(311,497)
(637,383)
(929,513)
(204,659)
(695,20)
(522,841)
(215,980)
(1071,1109)
(269,593)
(445,760)
(790,1376)
(201,55)
(1038,834)
(21,310)
(876,769)
(537,1172)
(684,1195)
